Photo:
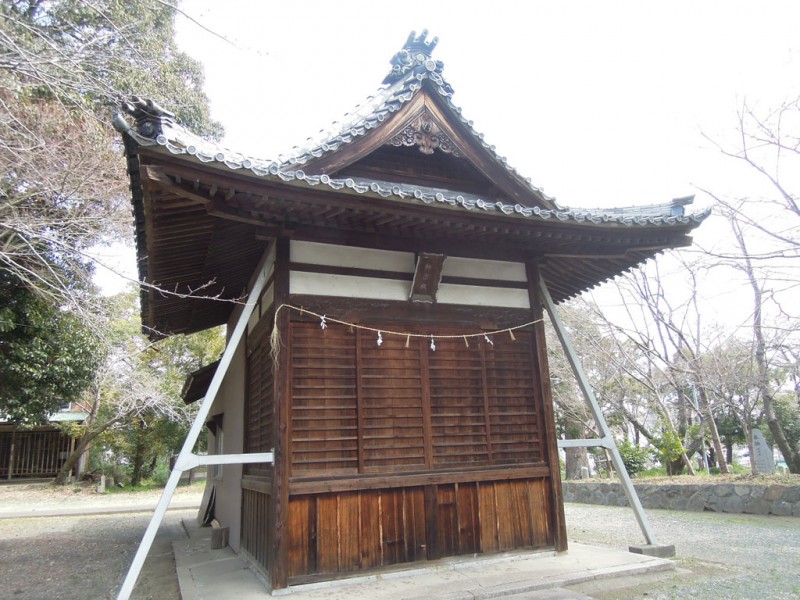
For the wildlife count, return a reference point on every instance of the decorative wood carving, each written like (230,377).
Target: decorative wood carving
(425,133)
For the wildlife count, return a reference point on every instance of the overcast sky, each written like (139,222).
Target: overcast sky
(601,104)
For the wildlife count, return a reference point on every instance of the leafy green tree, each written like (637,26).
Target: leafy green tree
(134,405)
(670,450)
(47,356)
(787,411)
(64,67)
(155,435)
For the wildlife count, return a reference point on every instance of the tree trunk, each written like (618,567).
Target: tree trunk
(671,426)
(575,458)
(138,455)
(751,455)
(62,477)
(719,454)
(791,455)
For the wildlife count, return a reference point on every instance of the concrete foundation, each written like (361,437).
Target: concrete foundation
(657,550)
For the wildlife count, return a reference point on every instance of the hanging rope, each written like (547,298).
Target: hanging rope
(275,336)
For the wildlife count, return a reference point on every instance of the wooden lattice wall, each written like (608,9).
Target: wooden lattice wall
(32,454)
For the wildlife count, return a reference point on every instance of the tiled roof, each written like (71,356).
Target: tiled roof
(155,127)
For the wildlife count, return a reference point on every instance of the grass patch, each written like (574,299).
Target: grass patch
(149,486)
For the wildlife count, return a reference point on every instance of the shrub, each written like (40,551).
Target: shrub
(634,458)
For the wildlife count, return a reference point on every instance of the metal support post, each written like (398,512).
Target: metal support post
(185,459)
(607,441)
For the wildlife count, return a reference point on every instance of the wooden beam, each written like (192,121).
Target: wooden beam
(213,207)
(542,372)
(279,500)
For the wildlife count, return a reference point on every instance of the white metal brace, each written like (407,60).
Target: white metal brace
(186,459)
(607,441)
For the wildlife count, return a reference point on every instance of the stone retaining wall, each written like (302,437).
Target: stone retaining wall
(726,497)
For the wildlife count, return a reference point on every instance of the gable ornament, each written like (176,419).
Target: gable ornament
(425,133)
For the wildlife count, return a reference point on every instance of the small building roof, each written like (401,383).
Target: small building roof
(68,416)
(197,382)
(203,212)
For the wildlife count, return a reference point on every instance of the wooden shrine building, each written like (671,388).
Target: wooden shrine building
(395,358)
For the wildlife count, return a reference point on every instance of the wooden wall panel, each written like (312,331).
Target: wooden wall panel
(523,535)
(349,531)
(360,407)
(447,518)
(259,404)
(301,531)
(391,388)
(504,506)
(324,418)
(487,510)
(383,439)
(327,533)
(414,524)
(515,434)
(349,515)
(255,538)
(541,512)
(393,535)
(458,412)
(371,554)
(469,529)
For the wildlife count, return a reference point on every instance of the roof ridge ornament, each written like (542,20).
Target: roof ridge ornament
(150,119)
(415,56)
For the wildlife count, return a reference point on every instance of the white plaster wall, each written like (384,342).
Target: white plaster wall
(376,288)
(474,295)
(348,286)
(455,266)
(347,256)
(230,402)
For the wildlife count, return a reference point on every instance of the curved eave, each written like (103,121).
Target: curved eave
(670,214)
(226,214)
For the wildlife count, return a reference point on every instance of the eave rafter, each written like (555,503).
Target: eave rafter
(217,207)
(270,206)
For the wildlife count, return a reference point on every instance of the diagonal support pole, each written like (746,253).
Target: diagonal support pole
(607,441)
(185,457)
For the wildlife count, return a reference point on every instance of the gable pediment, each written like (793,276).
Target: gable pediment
(437,147)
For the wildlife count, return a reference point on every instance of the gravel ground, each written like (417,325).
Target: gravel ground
(21,496)
(85,557)
(719,556)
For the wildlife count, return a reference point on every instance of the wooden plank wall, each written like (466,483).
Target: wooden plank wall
(259,403)
(356,530)
(395,452)
(259,411)
(256,527)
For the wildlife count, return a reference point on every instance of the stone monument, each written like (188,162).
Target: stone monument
(762,453)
